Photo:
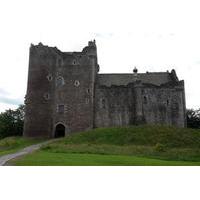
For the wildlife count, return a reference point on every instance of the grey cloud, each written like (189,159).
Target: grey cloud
(104,35)
(3,92)
(172,34)
(11,101)
(197,62)
(4,98)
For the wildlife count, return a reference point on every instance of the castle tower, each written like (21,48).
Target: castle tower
(60,92)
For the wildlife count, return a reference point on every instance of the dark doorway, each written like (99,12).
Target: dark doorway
(60,131)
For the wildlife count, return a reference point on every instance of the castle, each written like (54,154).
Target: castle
(66,94)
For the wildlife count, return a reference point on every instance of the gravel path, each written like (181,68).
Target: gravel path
(26,150)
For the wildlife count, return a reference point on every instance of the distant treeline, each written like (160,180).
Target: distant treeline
(12,121)
(193,118)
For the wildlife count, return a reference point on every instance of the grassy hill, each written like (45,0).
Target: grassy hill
(135,145)
(138,135)
(12,144)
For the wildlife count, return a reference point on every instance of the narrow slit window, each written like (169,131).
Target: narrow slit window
(167,102)
(49,77)
(74,62)
(46,96)
(88,90)
(145,100)
(87,101)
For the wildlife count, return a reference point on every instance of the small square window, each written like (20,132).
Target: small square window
(60,81)
(61,108)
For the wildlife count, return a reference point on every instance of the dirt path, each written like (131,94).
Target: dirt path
(4,159)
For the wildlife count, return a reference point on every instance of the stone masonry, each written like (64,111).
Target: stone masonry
(66,94)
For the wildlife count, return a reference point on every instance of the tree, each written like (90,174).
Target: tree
(193,118)
(11,122)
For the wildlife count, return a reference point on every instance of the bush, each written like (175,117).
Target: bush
(193,118)
(9,141)
(159,147)
(11,122)
(46,147)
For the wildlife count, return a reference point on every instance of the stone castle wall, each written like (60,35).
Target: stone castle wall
(164,105)
(65,88)
(114,106)
(60,90)
(140,104)
(38,115)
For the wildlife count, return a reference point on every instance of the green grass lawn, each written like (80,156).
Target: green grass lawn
(135,145)
(42,158)
(12,144)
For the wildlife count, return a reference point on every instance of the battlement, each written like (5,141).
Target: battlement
(87,50)
(92,43)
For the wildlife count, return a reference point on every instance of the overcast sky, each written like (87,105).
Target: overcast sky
(153,35)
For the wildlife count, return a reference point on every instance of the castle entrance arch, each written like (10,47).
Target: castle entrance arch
(59,130)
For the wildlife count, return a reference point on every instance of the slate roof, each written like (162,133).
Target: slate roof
(156,78)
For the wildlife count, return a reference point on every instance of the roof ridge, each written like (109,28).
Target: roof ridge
(133,74)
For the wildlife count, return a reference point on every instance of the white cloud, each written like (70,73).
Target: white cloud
(154,35)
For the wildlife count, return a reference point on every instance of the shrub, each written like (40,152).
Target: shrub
(159,147)
(45,147)
(11,122)
(193,118)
